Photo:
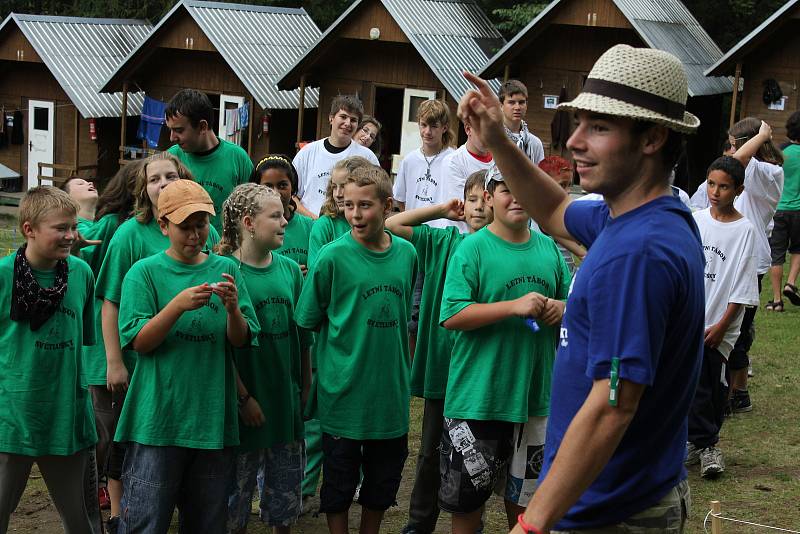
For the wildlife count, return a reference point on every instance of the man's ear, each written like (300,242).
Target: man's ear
(653,139)
(203,126)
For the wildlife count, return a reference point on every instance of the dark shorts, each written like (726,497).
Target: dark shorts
(474,455)
(343,459)
(785,235)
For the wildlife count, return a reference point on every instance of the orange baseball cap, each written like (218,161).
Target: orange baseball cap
(181,198)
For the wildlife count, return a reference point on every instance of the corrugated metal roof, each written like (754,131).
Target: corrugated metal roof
(727,63)
(81,53)
(257,42)
(450,35)
(664,25)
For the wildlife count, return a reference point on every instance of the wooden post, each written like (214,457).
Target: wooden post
(250,126)
(735,94)
(716,522)
(124,121)
(301,110)
(77,141)
(506,73)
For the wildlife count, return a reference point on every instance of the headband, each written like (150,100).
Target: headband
(275,158)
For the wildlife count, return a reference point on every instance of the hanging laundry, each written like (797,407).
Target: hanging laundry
(244,116)
(151,121)
(17,135)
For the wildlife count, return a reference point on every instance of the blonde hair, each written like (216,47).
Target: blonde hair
(349,165)
(143,208)
(436,112)
(43,200)
(246,199)
(372,175)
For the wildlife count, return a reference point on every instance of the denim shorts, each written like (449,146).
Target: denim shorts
(282,467)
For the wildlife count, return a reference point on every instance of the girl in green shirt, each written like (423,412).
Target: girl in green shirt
(274,376)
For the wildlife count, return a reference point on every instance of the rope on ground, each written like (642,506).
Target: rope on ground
(732,520)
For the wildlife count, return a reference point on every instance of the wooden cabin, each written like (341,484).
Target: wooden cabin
(554,53)
(53,68)
(769,52)
(394,54)
(232,52)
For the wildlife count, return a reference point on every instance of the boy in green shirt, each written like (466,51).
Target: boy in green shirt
(46,414)
(358,294)
(435,248)
(216,164)
(182,311)
(503,297)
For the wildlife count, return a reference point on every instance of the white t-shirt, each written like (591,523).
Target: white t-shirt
(314,164)
(533,147)
(730,272)
(417,185)
(456,168)
(763,185)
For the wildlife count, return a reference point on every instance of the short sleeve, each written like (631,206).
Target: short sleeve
(300,163)
(745,282)
(247,169)
(246,306)
(314,299)
(318,237)
(585,220)
(137,306)
(399,192)
(460,284)
(116,264)
(421,238)
(89,333)
(632,296)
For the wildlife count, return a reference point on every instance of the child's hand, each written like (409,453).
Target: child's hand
(453,210)
(251,413)
(553,311)
(530,305)
(117,377)
(714,336)
(193,298)
(227,292)
(304,269)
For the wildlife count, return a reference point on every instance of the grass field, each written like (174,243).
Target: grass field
(762,449)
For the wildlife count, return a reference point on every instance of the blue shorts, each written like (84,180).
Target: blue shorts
(282,467)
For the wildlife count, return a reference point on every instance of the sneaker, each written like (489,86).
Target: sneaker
(740,402)
(112,525)
(103,498)
(692,454)
(711,462)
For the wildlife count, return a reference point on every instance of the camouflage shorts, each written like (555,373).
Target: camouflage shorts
(666,516)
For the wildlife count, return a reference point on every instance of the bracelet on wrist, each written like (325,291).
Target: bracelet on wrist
(526,527)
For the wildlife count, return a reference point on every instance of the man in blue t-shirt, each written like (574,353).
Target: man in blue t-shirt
(632,335)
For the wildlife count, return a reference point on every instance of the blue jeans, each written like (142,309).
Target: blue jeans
(156,479)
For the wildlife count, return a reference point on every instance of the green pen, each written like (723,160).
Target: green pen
(613,382)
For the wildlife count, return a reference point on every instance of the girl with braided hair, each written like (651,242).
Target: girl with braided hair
(276,374)
(277,172)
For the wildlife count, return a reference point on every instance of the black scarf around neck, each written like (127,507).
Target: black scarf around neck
(30,301)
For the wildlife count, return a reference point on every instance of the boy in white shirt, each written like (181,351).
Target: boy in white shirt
(513,96)
(730,285)
(315,161)
(470,157)
(419,182)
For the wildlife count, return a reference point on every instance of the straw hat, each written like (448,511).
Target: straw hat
(638,83)
(181,198)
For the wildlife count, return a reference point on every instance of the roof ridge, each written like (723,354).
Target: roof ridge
(30,17)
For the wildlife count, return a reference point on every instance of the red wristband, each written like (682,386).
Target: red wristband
(525,526)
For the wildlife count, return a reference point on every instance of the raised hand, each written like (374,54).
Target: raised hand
(481,110)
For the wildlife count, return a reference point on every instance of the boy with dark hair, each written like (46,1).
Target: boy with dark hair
(216,164)
(46,416)
(315,161)
(513,96)
(500,280)
(730,285)
(435,248)
(420,178)
(358,294)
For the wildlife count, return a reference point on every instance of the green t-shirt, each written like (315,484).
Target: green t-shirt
(435,247)
(218,172)
(325,230)
(502,371)
(295,241)
(44,405)
(182,394)
(272,371)
(790,198)
(131,242)
(362,301)
(94,356)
